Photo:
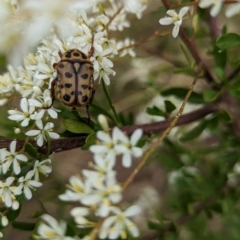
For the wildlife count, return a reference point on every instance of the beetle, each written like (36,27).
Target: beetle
(74,85)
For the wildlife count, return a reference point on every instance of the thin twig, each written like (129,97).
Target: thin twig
(160,139)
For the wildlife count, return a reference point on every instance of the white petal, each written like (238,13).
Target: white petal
(215,9)
(183,11)
(172,13)
(166,21)
(16,167)
(118,135)
(132,228)
(133,210)
(175,31)
(127,160)
(137,152)
(21,157)
(10,180)
(8,199)
(103,136)
(13,146)
(40,140)
(137,134)
(16,117)
(232,10)
(27,192)
(35,184)
(24,105)
(39,124)
(52,113)
(25,122)
(32,133)
(54,135)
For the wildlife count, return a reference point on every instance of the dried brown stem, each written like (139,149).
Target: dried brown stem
(64,144)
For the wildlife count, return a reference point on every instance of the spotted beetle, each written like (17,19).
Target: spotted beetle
(74,83)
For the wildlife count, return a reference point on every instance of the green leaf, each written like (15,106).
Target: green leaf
(90,140)
(25,226)
(210,95)
(169,106)
(228,40)
(31,150)
(77,126)
(70,115)
(153,225)
(195,132)
(225,117)
(220,57)
(37,214)
(180,93)
(155,111)
(13,214)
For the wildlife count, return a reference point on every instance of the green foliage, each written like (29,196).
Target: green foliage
(76,126)
(228,40)
(180,93)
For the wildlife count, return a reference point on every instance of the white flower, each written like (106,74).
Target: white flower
(26,184)
(4,221)
(41,167)
(135,6)
(117,226)
(86,39)
(127,147)
(103,122)
(120,21)
(102,65)
(45,105)
(105,194)
(43,132)
(233,9)
(80,214)
(106,146)
(217,4)
(25,116)
(8,192)
(51,229)
(12,158)
(78,189)
(175,19)
(125,49)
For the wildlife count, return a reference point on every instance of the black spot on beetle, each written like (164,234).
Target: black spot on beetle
(61,86)
(68,54)
(90,68)
(89,88)
(84,86)
(84,98)
(61,65)
(84,76)
(84,56)
(68,75)
(79,93)
(68,85)
(66,97)
(72,93)
(76,54)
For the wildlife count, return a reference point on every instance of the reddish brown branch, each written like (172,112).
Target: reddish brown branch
(64,144)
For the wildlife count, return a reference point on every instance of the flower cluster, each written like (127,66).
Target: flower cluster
(216,5)
(70,28)
(98,190)
(16,188)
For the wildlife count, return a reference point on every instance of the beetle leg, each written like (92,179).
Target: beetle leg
(90,101)
(91,51)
